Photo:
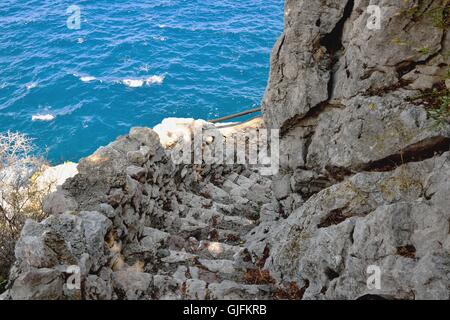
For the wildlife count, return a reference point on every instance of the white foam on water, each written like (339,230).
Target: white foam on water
(87,78)
(80,40)
(155,80)
(31,85)
(133,83)
(42,117)
(159,38)
(144,67)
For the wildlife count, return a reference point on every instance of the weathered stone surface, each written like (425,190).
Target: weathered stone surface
(132,285)
(374,58)
(228,290)
(282,187)
(299,63)
(97,288)
(38,284)
(95,227)
(370,129)
(366,160)
(59,202)
(166,288)
(195,289)
(380,219)
(136,172)
(327,51)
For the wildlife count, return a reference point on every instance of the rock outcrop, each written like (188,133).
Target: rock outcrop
(366,163)
(132,225)
(363,185)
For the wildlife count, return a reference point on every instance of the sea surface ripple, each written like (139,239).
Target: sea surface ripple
(131,63)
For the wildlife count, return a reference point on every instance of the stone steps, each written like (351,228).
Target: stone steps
(217,250)
(205,259)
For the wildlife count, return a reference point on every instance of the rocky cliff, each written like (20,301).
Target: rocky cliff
(358,90)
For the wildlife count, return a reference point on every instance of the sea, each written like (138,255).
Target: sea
(76,74)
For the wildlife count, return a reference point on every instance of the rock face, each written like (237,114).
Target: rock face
(398,221)
(360,207)
(365,170)
(329,51)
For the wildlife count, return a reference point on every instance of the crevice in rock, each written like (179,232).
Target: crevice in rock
(417,152)
(338,173)
(303,289)
(335,217)
(406,67)
(352,238)
(331,274)
(281,45)
(402,69)
(408,251)
(333,40)
(291,291)
(313,113)
(333,43)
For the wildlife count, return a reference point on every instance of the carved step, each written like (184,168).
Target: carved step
(217,250)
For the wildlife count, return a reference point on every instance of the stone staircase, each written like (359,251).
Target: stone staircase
(205,256)
(139,227)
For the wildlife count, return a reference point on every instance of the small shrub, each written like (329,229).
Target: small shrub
(258,276)
(441,15)
(441,112)
(21,194)
(437,104)
(290,292)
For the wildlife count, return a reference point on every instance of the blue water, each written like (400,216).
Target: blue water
(212,57)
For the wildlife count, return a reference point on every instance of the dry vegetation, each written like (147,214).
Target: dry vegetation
(21,195)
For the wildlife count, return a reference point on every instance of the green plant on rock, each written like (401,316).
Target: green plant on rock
(441,15)
(438,15)
(3,283)
(424,50)
(447,75)
(437,104)
(441,112)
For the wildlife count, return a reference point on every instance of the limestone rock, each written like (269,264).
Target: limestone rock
(376,219)
(97,288)
(59,202)
(372,129)
(132,285)
(299,64)
(38,284)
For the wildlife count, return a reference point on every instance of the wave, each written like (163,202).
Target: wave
(129,82)
(137,83)
(155,80)
(42,117)
(144,67)
(133,83)
(31,85)
(87,78)
(159,38)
